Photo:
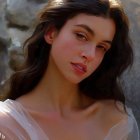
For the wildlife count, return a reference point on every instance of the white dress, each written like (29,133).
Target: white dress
(23,127)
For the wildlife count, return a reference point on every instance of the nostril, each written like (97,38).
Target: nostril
(84,57)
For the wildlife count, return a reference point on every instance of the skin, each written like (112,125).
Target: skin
(56,103)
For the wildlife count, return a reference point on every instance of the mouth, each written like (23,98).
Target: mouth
(79,67)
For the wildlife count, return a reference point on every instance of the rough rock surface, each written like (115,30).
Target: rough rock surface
(132,78)
(4,42)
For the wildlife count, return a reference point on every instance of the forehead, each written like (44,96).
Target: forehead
(103,27)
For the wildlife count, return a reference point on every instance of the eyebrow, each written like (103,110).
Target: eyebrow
(88,29)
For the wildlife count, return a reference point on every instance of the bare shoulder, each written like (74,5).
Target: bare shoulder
(114,108)
(112,112)
(106,114)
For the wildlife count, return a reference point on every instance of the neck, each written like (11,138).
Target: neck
(57,93)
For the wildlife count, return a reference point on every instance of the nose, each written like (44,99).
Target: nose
(89,52)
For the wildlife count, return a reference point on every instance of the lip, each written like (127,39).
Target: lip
(79,67)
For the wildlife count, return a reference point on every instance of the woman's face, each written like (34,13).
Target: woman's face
(79,47)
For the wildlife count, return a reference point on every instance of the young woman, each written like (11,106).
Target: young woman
(68,88)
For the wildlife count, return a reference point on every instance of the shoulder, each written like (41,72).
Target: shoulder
(7,110)
(7,123)
(113,109)
(110,113)
(11,111)
(113,112)
(9,126)
(117,122)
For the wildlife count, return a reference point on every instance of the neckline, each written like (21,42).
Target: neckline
(26,112)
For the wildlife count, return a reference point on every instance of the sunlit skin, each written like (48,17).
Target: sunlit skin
(56,104)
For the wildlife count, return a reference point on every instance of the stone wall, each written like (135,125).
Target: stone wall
(17,20)
(132,78)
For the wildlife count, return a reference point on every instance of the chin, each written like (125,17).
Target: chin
(75,80)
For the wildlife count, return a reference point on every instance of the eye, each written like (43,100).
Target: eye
(103,48)
(81,36)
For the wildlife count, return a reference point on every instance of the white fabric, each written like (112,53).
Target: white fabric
(17,124)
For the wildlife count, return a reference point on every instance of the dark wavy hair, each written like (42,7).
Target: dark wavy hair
(104,82)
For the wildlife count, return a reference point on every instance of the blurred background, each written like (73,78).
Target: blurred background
(17,21)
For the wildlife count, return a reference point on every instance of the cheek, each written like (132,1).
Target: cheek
(101,59)
(64,47)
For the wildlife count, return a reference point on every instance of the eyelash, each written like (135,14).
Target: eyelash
(81,36)
(102,47)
